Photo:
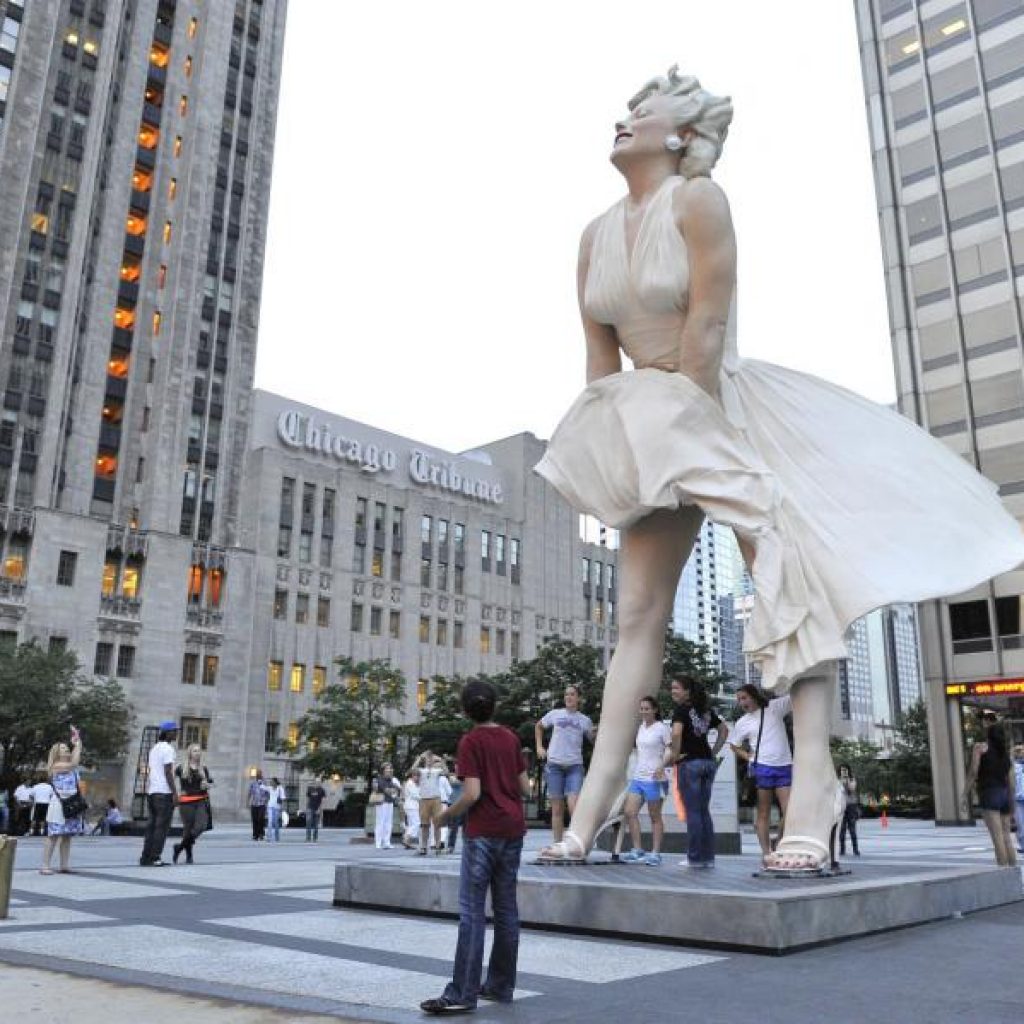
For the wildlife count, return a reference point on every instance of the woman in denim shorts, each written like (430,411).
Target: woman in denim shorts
(564,755)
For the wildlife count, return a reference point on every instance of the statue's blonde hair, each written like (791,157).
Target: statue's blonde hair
(706,115)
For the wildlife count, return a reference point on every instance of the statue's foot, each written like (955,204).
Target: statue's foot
(808,854)
(568,850)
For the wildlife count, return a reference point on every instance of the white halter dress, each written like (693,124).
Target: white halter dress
(846,505)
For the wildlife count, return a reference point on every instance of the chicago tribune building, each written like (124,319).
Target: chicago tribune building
(211,546)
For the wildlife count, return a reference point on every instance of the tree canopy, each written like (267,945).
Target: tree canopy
(42,694)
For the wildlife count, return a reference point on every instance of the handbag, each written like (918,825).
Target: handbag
(73,806)
(749,794)
(376,797)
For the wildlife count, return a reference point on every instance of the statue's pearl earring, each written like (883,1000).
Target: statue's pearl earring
(673,143)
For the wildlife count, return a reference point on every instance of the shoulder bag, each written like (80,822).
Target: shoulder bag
(73,806)
(749,794)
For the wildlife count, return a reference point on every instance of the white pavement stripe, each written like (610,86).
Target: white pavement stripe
(551,956)
(176,954)
(80,888)
(237,877)
(20,917)
(324,896)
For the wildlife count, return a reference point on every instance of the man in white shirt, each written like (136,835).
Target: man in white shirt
(22,808)
(42,791)
(161,795)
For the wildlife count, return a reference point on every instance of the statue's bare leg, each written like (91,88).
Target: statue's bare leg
(651,558)
(811,812)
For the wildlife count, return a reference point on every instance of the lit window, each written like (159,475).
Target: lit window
(130,581)
(953,27)
(912,47)
(210,665)
(319,680)
(92,49)
(154,95)
(424,630)
(195,584)
(293,734)
(157,320)
(118,367)
(215,586)
(377,565)
(109,585)
(188,66)
(72,38)
(172,188)
(177,145)
(161,276)
(106,466)
(189,668)
(421,694)
(40,223)
(142,180)
(298,680)
(183,105)
(131,269)
(274,672)
(485,640)
(135,225)
(149,135)
(124,318)
(159,55)
(193,27)
(14,566)
(167,232)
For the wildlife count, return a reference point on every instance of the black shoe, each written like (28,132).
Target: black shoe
(177,852)
(188,857)
(491,997)
(443,1005)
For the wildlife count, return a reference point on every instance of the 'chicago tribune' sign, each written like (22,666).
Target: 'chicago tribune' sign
(300,432)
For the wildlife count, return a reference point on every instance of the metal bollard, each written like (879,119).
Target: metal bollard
(8,846)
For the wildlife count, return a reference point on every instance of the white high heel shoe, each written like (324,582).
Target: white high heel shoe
(570,850)
(815,863)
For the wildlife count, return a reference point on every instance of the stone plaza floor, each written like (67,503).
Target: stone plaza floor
(248,935)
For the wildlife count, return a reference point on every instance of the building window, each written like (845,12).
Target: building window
(426,529)
(298,679)
(424,572)
(485,639)
(424,629)
(195,731)
(323,611)
(177,145)
(195,584)
(376,620)
(442,633)
(396,566)
(514,558)
(275,672)
(190,668)
(356,620)
(515,646)
(499,641)
(442,575)
(422,692)
(485,550)
(970,629)
(125,661)
(293,735)
(57,644)
(359,559)
(395,625)
(460,580)
(377,564)
(457,629)
(301,608)
(499,554)
(280,604)
(103,658)
(319,679)
(271,737)
(66,568)
(210,665)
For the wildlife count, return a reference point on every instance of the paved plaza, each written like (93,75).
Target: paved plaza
(249,935)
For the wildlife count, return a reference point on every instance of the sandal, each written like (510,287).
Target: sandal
(568,850)
(814,861)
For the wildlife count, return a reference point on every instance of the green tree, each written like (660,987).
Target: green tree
(346,731)
(862,757)
(685,658)
(911,759)
(44,693)
(442,723)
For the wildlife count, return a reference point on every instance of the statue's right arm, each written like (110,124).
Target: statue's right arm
(603,357)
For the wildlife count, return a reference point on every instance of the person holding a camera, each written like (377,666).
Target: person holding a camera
(65,815)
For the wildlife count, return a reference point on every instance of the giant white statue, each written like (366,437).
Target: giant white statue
(839,505)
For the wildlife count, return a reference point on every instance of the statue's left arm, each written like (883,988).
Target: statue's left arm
(703,218)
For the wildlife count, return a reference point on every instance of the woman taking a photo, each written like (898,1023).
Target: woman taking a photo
(992,769)
(760,738)
(851,811)
(695,764)
(194,801)
(66,810)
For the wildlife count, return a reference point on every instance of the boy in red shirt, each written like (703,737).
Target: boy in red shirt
(493,771)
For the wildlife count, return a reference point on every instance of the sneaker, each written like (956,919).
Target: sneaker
(653,860)
(635,856)
(443,1005)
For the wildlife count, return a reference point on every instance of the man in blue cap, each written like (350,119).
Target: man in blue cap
(161,795)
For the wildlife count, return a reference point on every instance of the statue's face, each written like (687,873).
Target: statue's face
(643,132)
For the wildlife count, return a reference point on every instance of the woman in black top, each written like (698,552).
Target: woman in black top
(194,802)
(695,764)
(992,768)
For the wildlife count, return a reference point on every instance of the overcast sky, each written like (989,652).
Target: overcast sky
(436,162)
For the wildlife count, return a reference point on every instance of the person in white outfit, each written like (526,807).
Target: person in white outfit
(275,805)
(389,789)
(411,806)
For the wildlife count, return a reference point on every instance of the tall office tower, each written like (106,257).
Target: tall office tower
(945,99)
(135,158)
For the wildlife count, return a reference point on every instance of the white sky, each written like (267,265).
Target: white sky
(436,162)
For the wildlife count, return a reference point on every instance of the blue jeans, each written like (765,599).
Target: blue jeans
(312,824)
(487,864)
(694,779)
(274,823)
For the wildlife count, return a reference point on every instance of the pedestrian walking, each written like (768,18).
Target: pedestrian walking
(431,769)
(1018,785)
(760,738)
(275,805)
(194,802)
(42,793)
(161,795)
(564,755)
(653,754)
(695,763)
(65,812)
(491,765)
(851,811)
(259,793)
(315,796)
(110,819)
(22,808)
(994,772)
(387,787)
(411,807)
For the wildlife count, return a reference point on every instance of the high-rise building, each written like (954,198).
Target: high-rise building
(944,81)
